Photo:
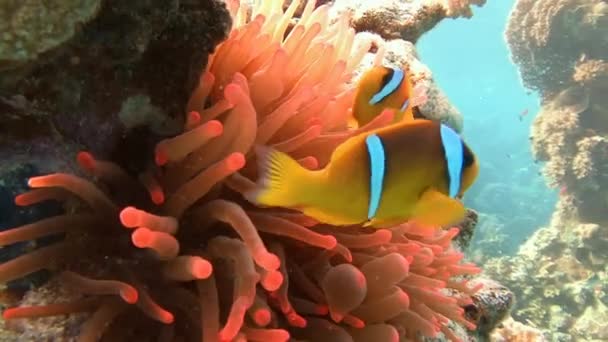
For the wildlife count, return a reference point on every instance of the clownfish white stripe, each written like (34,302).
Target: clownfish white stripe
(452,146)
(390,87)
(377,158)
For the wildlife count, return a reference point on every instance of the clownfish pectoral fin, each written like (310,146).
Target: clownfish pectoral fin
(406,115)
(436,209)
(280,179)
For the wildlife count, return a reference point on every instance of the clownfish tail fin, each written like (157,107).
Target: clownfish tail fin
(282,181)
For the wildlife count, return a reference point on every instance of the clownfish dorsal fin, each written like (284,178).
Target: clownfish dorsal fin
(453,153)
(391,82)
(377,166)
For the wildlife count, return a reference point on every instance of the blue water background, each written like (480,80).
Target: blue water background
(470,61)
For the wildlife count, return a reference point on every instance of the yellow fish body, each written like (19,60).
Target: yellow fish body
(383,87)
(410,170)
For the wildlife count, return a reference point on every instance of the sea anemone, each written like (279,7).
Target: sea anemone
(177,253)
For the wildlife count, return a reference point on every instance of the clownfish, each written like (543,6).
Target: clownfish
(383,87)
(413,170)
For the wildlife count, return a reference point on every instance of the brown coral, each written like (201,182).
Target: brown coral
(547,37)
(31,28)
(393,19)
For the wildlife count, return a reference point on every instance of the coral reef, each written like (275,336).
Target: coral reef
(458,8)
(513,331)
(548,37)
(467,229)
(561,50)
(159,244)
(125,50)
(493,238)
(393,19)
(569,272)
(30,28)
(491,305)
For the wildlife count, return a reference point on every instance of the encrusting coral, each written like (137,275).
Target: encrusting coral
(180,255)
(25,37)
(408,20)
(560,48)
(513,331)
(547,37)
